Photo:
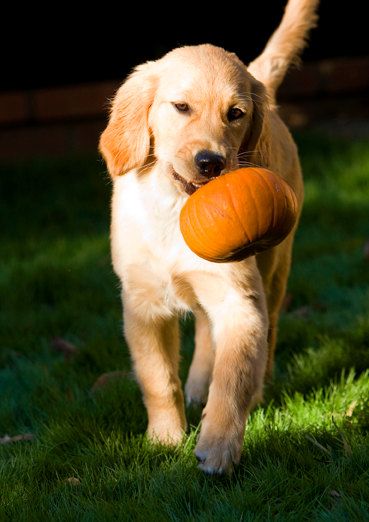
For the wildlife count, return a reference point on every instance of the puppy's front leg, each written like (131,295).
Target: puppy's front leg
(240,327)
(154,347)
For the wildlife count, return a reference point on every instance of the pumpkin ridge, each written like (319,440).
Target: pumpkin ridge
(252,197)
(270,186)
(247,236)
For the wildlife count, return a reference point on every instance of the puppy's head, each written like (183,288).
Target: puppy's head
(197,112)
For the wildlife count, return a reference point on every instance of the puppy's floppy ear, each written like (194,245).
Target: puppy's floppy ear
(125,143)
(260,103)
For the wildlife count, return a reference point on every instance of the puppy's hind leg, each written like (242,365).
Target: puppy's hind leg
(199,376)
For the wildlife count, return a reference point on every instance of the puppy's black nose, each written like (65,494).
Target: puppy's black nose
(209,163)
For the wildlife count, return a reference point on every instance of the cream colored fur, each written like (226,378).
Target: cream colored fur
(236,305)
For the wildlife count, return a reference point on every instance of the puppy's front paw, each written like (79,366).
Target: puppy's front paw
(218,454)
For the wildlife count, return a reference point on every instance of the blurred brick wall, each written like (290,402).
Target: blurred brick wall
(335,90)
(68,120)
(53,122)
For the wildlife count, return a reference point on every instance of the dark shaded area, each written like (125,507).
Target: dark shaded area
(56,46)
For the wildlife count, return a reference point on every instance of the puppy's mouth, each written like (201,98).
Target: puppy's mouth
(189,186)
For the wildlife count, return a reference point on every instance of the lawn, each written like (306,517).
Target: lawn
(306,449)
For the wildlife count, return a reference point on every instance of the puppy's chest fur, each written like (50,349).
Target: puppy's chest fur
(148,251)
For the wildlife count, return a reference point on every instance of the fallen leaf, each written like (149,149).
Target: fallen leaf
(65,347)
(6,439)
(105,378)
(73,481)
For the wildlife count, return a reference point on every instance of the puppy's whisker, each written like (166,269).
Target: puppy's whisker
(148,166)
(248,164)
(248,153)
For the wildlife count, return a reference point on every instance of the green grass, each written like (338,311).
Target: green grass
(306,450)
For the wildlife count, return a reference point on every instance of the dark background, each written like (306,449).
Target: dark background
(59,45)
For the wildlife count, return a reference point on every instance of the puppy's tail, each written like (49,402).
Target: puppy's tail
(285,44)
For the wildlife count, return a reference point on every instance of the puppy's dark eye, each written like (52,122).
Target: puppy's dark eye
(234,113)
(181,107)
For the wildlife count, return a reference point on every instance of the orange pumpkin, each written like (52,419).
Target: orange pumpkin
(238,214)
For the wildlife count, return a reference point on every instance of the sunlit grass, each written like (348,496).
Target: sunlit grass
(306,451)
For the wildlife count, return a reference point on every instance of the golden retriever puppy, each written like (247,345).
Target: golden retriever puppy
(176,123)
